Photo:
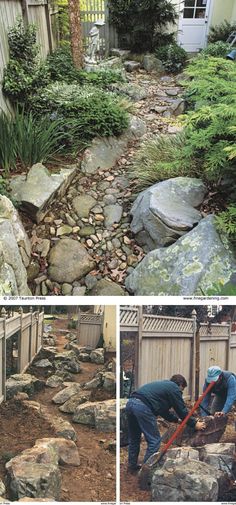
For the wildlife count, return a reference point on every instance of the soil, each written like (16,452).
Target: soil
(21,427)
(129,487)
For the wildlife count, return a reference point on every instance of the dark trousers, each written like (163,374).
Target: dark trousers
(141,420)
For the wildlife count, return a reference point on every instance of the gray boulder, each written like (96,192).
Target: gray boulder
(66,394)
(94,383)
(166,211)
(113,214)
(13,275)
(85,414)
(131,66)
(184,481)
(22,383)
(10,214)
(151,63)
(67,362)
(193,265)
(98,356)
(82,205)
(84,357)
(71,405)
(54,381)
(109,381)
(220,456)
(132,91)
(38,188)
(105,416)
(69,261)
(43,363)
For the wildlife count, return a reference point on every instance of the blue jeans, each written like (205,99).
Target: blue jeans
(141,420)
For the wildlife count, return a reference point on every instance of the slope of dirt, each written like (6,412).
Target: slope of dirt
(95,478)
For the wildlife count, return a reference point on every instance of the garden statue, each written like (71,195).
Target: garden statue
(94,44)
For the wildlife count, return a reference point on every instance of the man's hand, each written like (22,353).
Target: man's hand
(219,414)
(200,425)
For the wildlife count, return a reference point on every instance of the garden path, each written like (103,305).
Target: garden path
(112,247)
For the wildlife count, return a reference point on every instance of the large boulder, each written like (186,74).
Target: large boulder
(66,450)
(196,263)
(23,383)
(71,405)
(105,416)
(166,211)
(220,456)
(10,214)
(39,187)
(215,428)
(85,414)
(184,481)
(106,287)
(98,356)
(69,261)
(109,381)
(13,275)
(64,395)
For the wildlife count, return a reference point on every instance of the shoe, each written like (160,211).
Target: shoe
(134,469)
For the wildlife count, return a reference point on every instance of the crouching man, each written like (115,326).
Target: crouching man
(143,407)
(224,392)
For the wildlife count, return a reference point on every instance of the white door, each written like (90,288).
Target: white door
(193,25)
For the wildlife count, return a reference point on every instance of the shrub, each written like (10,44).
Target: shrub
(226,222)
(28,140)
(173,57)
(212,80)
(208,132)
(216,49)
(221,31)
(158,160)
(137,22)
(94,112)
(24,72)
(61,67)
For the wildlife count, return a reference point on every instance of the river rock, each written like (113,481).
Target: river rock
(167,210)
(82,205)
(69,261)
(113,214)
(39,187)
(107,288)
(66,394)
(184,480)
(194,264)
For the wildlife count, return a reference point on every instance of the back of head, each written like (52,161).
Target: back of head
(179,380)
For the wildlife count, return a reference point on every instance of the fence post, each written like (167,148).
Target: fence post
(49,26)
(4,354)
(25,11)
(20,311)
(193,356)
(30,334)
(41,329)
(37,329)
(228,345)
(138,350)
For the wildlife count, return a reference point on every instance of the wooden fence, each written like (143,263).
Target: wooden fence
(89,329)
(42,13)
(29,330)
(167,345)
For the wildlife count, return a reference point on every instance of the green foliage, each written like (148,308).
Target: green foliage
(3,186)
(24,72)
(207,133)
(138,22)
(216,49)
(26,139)
(173,57)
(62,68)
(93,111)
(226,222)
(158,160)
(221,31)
(212,80)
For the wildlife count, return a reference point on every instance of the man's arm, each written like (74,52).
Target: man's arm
(181,409)
(205,401)
(231,394)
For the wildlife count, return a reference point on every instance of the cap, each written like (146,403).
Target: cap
(213,373)
(99,22)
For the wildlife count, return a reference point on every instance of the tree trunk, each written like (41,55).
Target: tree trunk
(76,32)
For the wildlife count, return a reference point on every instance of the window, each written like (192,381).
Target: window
(195,9)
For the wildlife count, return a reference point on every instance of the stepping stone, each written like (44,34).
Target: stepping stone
(83,204)
(113,214)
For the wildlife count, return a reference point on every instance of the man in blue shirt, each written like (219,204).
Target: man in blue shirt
(224,391)
(148,402)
